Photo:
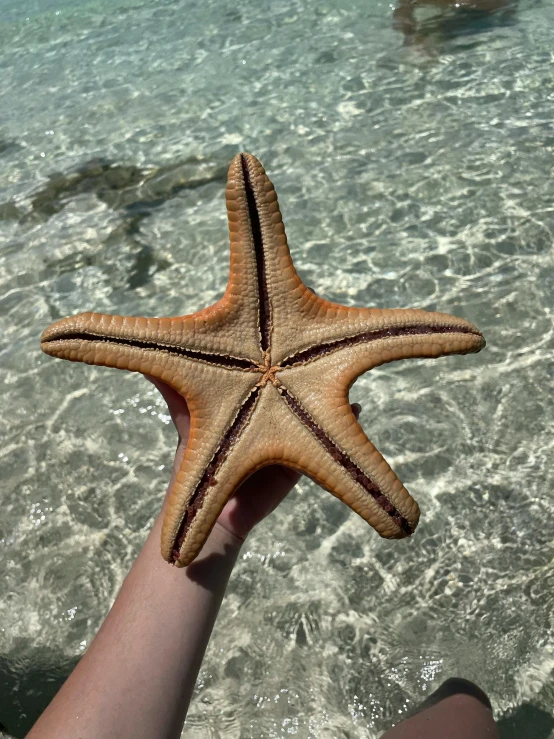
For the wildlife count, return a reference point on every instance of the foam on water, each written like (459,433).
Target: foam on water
(408,176)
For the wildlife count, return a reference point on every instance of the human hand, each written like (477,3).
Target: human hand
(258,496)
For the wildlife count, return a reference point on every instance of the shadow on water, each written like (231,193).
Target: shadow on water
(526,722)
(8,146)
(132,192)
(27,685)
(125,187)
(29,682)
(429,24)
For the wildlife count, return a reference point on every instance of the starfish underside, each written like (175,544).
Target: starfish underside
(266,373)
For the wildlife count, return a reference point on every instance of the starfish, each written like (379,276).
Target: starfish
(265,372)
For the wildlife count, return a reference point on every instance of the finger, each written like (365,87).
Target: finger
(248,507)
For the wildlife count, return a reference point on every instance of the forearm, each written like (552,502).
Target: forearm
(137,677)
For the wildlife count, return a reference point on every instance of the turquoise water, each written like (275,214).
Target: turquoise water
(408,175)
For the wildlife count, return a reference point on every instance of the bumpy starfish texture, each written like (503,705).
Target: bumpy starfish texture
(266,373)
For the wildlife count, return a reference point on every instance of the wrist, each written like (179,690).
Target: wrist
(226,536)
(222,539)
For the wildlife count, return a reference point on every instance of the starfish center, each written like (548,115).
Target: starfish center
(268,371)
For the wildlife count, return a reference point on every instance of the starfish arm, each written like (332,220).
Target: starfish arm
(337,454)
(274,433)
(234,325)
(279,286)
(386,335)
(326,400)
(211,470)
(295,318)
(246,288)
(134,343)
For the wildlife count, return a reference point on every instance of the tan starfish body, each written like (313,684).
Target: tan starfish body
(266,373)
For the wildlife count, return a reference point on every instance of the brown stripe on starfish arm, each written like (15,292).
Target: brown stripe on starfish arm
(319,350)
(208,481)
(264,306)
(357,474)
(58,346)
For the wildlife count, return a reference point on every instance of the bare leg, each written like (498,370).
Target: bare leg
(458,709)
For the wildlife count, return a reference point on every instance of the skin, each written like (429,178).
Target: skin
(459,716)
(137,677)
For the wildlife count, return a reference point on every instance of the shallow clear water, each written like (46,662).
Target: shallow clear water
(408,176)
